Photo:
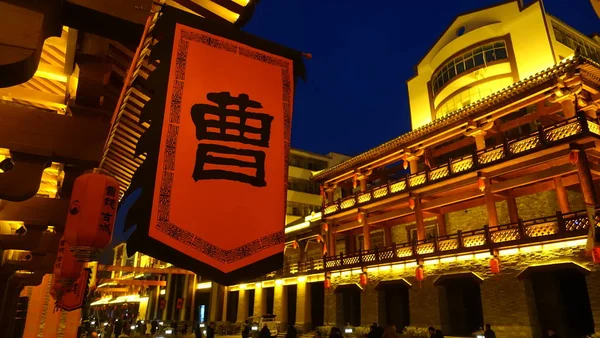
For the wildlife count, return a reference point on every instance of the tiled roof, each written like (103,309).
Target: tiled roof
(427,130)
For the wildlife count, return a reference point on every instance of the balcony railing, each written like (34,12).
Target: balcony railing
(559,226)
(561,132)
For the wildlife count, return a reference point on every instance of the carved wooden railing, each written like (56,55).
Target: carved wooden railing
(561,132)
(559,226)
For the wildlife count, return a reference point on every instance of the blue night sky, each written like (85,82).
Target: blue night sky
(355,96)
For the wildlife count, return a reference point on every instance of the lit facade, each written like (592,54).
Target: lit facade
(481,206)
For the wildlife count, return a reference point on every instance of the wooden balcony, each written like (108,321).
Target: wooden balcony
(562,132)
(544,229)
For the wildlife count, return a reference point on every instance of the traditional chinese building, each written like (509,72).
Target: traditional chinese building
(481,207)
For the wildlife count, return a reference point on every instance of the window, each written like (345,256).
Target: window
(301,209)
(430,232)
(308,187)
(476,57)
(377,240)
(307,163)
(584,46)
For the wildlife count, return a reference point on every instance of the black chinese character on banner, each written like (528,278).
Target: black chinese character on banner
(110,202)
(111,191)
(104,227)
(219,123)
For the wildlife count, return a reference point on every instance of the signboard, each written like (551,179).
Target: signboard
(213,185)
(73,297)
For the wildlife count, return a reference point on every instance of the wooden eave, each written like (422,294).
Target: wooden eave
(453,123)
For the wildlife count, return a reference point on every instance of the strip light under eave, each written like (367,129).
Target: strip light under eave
(218,10)
(242,2)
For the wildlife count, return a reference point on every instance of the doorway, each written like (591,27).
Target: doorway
(460,304)
(292,295)
(317,303)
(348,305)
(394,308)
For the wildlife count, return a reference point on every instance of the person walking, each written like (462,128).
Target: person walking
(489,333)
(149,328)
(198,331)
(291,332)
(390,332)
(210,330)
(265,332)
(433,333)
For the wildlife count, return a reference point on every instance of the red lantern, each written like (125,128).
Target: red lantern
(325,227)
(179,303)
(354,181)
(321,191)
(66,267)
(405,161)
(596,255)
(319,239)
(295,245)
(481,183)
(360,218)
(411,203)
(91,216)
(574,157)
(419,273)
(495,265)
(327,282)
(363,279)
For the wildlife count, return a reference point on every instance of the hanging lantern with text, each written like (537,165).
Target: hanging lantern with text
(495,265)
(91,216)
(363,279)
(327,282)
(66,267)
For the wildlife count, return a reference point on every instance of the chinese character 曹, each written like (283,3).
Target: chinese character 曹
(220,123)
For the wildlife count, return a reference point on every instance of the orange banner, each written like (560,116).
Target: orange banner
(220,187)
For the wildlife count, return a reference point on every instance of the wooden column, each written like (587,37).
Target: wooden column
(225,303)
(242,309)
(363,183)
(561,196)
(419,219)
(568,107)
(331,246)
(413,164)
(586,182)
(387,235)
(513,211)
(167,298)
(490,204)
(366,232)
(479,139)
(184,295)
(329,192)
(441,221)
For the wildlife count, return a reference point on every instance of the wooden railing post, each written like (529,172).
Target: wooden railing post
(414,247)
(459,239)
(488,236)
(341,259)
(560,222)
(583,122)
(395,252)
(475,159)
(521,229)
(450,170)
(542,135)
(505,147)
(435,243)
(377,254)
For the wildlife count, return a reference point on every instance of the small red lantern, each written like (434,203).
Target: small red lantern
(295,245)
(405,161)
(363,279)
(495,265)
(411,203)
(179,303)
(325,227)
(66,267)
(596,255)
(354,181)
(91,216)
(419,273)
(360,217)
(327,282)
(319,239)
(481,183)
(574,157)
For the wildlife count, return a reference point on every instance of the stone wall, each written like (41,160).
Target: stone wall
(507,302)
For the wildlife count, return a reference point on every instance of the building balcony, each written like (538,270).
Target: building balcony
(549,230)
(563,132)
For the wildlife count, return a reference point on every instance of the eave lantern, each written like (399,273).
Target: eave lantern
(419,273)
(91,216)
(364,280)
(327,282)
(481,183)
(596,255)
(411,203)
(495,265)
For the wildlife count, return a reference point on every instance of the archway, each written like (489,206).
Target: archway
(561,298)
(461,311)
(348,304)
(394,308)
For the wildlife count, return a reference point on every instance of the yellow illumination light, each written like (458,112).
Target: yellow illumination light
(242,286)
(384,268)
(507,252)
(163,291)
(203,286)
(527,249)
(243,3)
(447,259)
(411,265)
(346,273)
(258,285)
(561,245)
(297,227)
(51,76)
(372,269)
(336,274)
(356,271)
(482,255)
(279,282)
(301,279)
(398,267)
(431,262)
